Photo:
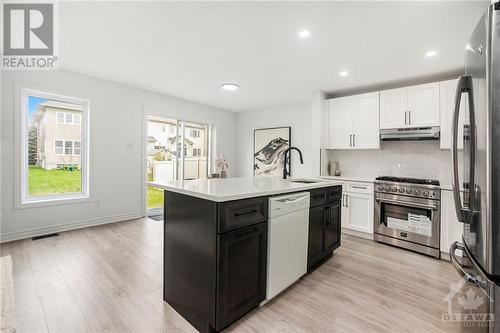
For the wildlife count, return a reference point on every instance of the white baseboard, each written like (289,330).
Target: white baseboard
(357,233)
(154,211)
(11,236)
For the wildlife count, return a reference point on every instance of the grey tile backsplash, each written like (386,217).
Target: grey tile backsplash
(420,159)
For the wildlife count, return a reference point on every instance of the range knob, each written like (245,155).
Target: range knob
(388,189)
(401,190)
(426,194)
(394,189)
(416,192)
(408,191)
(380,188)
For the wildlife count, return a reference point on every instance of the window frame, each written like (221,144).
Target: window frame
(23,200)
(55,147)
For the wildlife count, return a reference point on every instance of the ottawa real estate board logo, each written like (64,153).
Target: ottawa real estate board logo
(29,36)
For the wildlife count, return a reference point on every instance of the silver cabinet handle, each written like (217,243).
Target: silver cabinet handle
(464,85)
(354,140)
(405,117)
(409,117)
(359,187)
(347,200)
(350,140)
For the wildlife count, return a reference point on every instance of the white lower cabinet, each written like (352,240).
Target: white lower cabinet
(357,207)
(451,229)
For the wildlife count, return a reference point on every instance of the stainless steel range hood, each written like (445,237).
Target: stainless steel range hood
(410,134)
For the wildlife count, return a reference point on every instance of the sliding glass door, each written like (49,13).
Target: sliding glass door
(176,149)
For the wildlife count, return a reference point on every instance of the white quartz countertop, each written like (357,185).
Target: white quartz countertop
(364,179)
(227,189)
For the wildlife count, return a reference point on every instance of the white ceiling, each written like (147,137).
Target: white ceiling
(188,49)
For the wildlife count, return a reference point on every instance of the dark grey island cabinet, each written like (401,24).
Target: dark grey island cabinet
(215,253)
(324,224)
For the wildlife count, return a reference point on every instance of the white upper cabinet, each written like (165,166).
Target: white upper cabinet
(365,121)
(409,107)
(423,105)
(393,108)
(354,122)
(340,112)
(447,91)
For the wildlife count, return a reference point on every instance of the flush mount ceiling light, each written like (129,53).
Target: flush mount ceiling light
(344,73)
(304,33)
(429,54)
(230,86)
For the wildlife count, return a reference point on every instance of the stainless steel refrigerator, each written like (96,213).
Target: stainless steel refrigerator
(476,169)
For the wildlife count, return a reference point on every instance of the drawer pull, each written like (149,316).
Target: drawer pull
(245,232)
(359,187)
(253,211)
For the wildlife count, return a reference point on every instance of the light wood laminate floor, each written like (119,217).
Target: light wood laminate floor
(109,279)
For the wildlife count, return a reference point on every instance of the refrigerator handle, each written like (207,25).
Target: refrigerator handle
(476,280)
(464,86)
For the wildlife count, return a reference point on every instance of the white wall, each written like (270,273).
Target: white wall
(297,116)
(116,149)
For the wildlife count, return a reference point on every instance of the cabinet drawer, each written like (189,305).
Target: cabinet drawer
(359,187)
(238,214)
(319,196)
(334,193)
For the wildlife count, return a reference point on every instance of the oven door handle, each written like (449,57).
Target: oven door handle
(399,202)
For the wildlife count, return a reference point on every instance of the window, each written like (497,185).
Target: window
(60,116)
(68,147)
(59,147)
(68,118)
(195,133)
(53,167)
(77,150)
(179,162)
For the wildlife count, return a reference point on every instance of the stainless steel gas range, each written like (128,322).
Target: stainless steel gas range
(407,213)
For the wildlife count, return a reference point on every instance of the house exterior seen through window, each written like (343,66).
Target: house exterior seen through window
(176,149)
(54,164)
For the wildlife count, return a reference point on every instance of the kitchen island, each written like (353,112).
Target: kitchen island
(216,242)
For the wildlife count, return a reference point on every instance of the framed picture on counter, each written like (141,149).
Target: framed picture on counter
(269,145)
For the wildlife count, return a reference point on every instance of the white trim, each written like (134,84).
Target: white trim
(154,211)
(356,233)
(22,92)
(28,233)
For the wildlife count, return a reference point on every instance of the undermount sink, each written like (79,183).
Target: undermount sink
(304,181)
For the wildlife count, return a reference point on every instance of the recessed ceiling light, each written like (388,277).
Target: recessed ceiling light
(230,86)
(304,33)
(430,54)
(344,73)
